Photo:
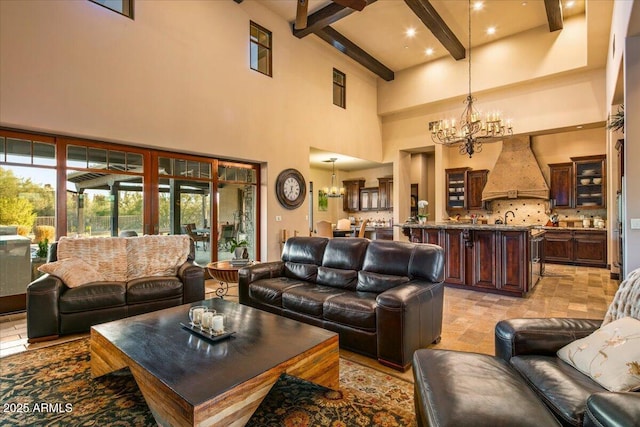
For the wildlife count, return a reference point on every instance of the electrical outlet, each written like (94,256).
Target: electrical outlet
(278,218)
(635,223)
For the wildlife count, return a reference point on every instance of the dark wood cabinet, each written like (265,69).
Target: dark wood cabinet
(590,182)
(384,234)
(561,184)
(385,193)
(369,199)
(456,185)
(464,188)
(481,259)
(558,246)
(351,199)
(590,248)
(576,247)
(475,184)
(580,184)
(453,242)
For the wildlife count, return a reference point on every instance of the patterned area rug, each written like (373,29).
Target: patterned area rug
(53,387)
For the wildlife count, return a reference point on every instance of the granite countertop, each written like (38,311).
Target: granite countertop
(453,224)
(573,228)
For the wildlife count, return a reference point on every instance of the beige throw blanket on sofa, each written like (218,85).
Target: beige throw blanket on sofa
(626,301)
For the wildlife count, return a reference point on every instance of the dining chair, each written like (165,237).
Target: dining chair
(363,228)
(343,224)
(323,229)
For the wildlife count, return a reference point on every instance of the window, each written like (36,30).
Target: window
(260,49)
(339,88)
(123,7)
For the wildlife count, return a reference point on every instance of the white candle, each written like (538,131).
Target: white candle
(206,319)
(197,315)
(217,323)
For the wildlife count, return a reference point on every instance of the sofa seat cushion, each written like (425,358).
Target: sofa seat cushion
(93,296)
(454,388)
(308,299)
(269,291)
(355,309)
(562,387)
(153,288)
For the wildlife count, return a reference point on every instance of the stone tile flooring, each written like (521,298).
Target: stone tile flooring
(469,316)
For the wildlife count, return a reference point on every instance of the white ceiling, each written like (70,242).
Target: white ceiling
(380,30)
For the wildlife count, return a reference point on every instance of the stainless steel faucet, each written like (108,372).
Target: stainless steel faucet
(505,215)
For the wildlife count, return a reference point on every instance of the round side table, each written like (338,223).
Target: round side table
(225,273)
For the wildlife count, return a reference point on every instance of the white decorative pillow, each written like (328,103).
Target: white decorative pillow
(610,356)
(72,271)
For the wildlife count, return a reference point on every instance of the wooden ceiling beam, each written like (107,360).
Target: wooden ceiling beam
(324,17)
(554,14)
(430,17)
(346,46)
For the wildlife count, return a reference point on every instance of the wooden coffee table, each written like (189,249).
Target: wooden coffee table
(189,381)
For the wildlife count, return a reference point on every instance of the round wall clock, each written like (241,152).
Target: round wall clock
(290,188)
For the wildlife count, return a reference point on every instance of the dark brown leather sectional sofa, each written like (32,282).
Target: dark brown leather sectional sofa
(384,298)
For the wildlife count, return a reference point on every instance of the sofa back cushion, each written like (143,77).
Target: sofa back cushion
(107,255)
(386,257)
(120,259)
(302,256)
(427,262)
(156,255)
(346,253)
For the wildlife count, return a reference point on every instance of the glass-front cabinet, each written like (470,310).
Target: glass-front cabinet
(590,182)
(456,188)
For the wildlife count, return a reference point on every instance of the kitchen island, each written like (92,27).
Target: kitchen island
(505,259)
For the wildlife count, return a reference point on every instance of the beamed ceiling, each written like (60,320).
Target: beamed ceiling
(376,36)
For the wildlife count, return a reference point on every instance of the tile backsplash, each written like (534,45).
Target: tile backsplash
(531,212)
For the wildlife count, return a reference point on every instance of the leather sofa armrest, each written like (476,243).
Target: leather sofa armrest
(192,277)
(43,316)
(612,409)
(541,336)
(408,317)
(251,273)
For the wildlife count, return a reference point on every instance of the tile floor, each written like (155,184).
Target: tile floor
(469,317)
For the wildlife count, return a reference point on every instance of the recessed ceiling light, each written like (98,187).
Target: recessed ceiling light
(428,51)
(478,5)
(491,30)
(579,127)
(411,32)
(524,3)
(569,4)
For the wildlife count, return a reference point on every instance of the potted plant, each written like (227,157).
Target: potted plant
(616,121)
(238,248)
(422,211)
(40,258)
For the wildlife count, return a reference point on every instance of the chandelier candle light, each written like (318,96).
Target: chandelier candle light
(334,190)
(473,131)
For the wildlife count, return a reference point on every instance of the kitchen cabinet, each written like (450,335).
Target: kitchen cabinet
(456,188)
(561,184)
(580,184)
(590,182)
(385,193)
(483,258)
(476,181)
(369,198)
(351,199)
(464,188)
(590,248)
(576,247)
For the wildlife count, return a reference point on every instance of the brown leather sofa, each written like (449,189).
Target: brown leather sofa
(530,346)
(525,384)
(55,309)
(384,298)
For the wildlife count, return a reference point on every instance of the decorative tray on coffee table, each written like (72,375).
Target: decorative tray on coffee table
(206,335)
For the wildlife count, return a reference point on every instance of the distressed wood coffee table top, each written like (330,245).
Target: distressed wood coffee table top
(189,381)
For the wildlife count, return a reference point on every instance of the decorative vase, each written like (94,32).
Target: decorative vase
(241,253)
(422,220)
